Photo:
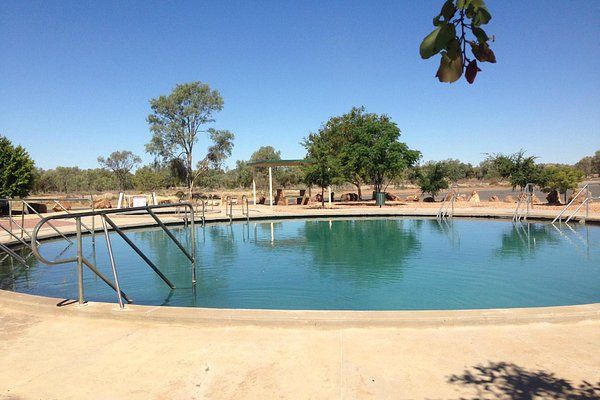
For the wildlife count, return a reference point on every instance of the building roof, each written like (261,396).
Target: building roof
(280,163)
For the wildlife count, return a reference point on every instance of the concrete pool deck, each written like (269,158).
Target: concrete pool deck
(96,351)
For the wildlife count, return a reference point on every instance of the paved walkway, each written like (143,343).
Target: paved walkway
(97,352)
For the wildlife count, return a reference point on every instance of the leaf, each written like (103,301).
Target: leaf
(482,16)
(453,48)
(471,71)
(480,35)
(482,52)
(437,40)
(448,10)
(462,4)
(450,70)
(436,21)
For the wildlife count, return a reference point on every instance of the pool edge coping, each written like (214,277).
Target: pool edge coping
(49,306)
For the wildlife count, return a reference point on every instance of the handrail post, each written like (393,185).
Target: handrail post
(193,237)
(112,262)
(79,261)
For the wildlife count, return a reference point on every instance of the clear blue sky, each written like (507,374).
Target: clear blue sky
(76,77)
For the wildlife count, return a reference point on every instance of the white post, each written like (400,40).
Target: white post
(154,199)
(254,190)
(329,190)
(120,202)
(270,186)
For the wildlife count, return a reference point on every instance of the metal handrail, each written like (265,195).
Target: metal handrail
(229,203)
(526,194)
(25,206)
(81,260)
(443,213)
(586,188)
(247,213)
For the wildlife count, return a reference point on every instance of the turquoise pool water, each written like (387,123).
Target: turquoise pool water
(359,264)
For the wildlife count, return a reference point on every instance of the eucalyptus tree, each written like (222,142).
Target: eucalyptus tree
(121,163)
(177,121)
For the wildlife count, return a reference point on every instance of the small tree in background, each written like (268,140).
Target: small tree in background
(561,178)
(121,163)
(17,170)
(325,170)
(517,168)
(432,177)
(176,122)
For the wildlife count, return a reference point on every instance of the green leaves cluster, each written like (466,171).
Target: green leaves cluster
(121,163)
(359,147)
(16,170)
(176,122)
(449,39)
(432,177)
(518,168)
(561,178)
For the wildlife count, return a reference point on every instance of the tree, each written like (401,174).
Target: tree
(517,168)
(432,177)
(121,163)
(217,153)
(367,148)
(585,165)
(562,178)
(449,38)
(457,170)
(150,178)
(325,169)
(16,170)
(178,119)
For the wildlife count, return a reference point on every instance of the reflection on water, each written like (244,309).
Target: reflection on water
(375,263)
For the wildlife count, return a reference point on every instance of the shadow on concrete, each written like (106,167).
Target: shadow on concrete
(502,380)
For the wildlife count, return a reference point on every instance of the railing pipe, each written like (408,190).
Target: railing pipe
(168,232)
(137,250)
(13,254)
(112,262)
(558,217)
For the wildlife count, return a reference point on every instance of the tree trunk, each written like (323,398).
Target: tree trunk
(358,190)
(322,197)
(190,174)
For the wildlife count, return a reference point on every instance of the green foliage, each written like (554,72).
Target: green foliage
(457,170)
(326,169)
(432,177)
(148,178)
(589,165)
(176,122)
(449,38)
(73,179)
(518,169)
(366,148)
(16,170)
(121,163)
(561,178)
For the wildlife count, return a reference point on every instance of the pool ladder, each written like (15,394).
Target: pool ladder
(229,208)
(107,221)
(447,208)
(523,204)
(585,190)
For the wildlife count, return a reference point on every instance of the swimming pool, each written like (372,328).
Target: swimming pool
(339,264)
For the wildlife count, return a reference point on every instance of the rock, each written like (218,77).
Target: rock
(58,208)
(461,197)
(535,200)
(391,197)
(39,207)
(580,199)
(509,199)
(319,197)
(474,199)
(166,201)
(414,197)
(349,197)
(553,197)
(494,199)
(262,200)
(102,203)
(429,200)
